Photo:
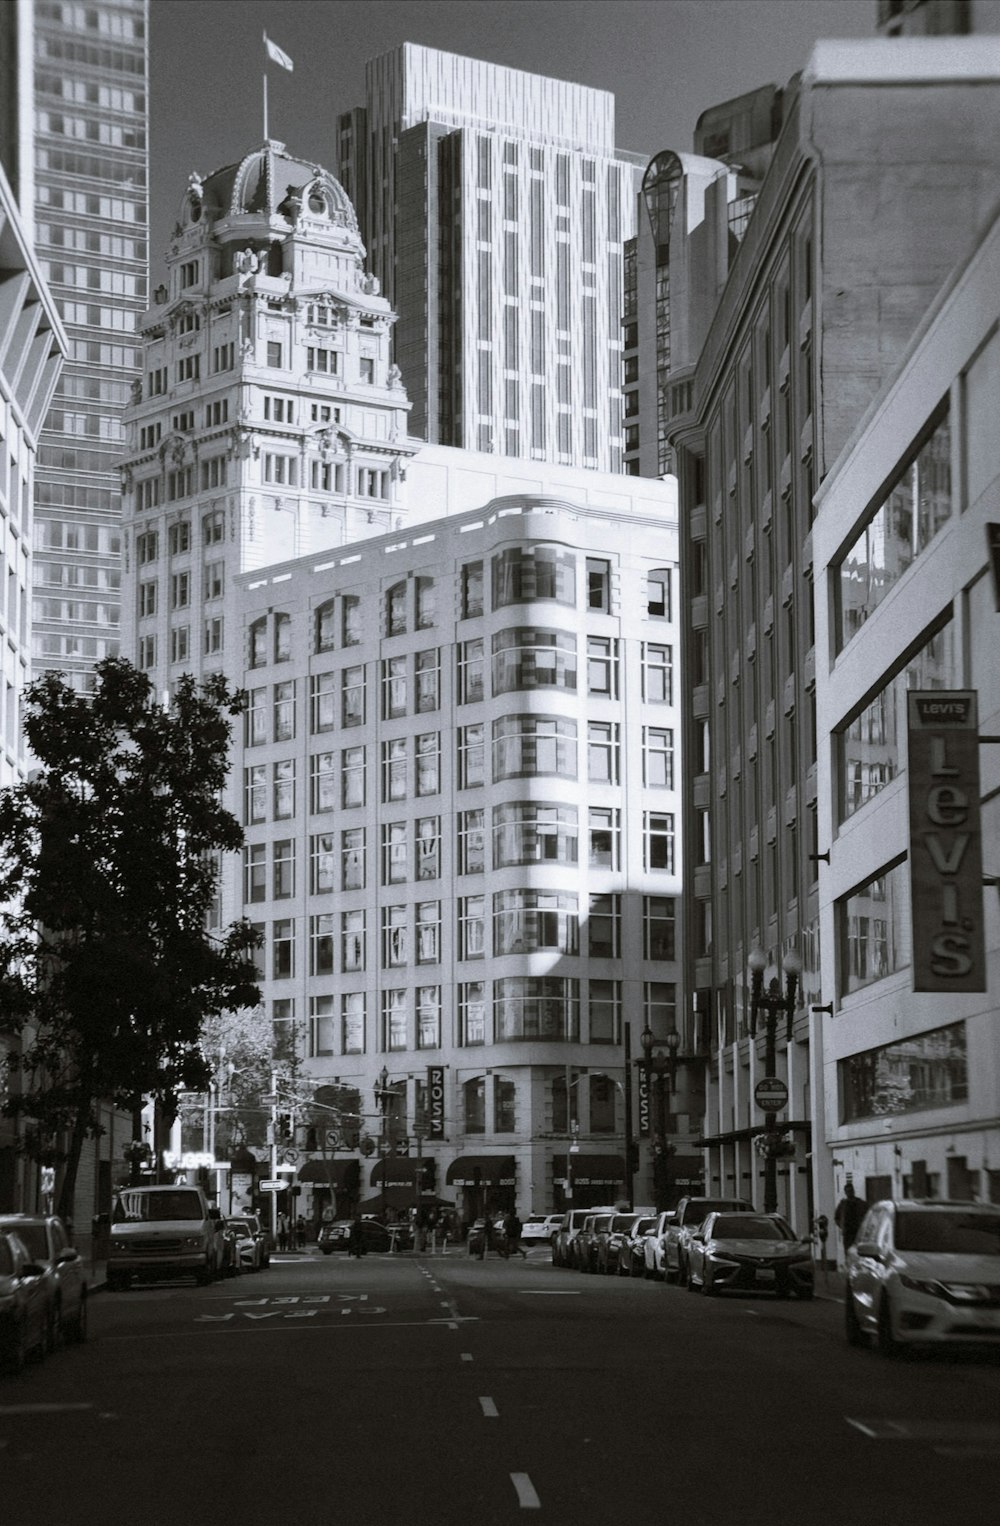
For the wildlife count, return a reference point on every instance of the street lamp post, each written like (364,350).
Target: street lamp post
(663,1068)
(772,1003)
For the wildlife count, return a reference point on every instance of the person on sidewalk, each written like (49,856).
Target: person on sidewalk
(512,1227)
(282,1231)
(848,1215)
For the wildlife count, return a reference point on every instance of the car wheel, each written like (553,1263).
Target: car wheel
(204,1276)
(887,1342)
(669,1275)
(683,1273)
(78,1329)
(693,1287)
(852,1325)
(708,1288)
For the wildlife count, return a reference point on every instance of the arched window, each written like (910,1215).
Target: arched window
(282,638)
(325,628)
(258,642)
(395,610)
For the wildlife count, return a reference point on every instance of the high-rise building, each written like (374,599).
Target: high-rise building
(886,163)
(936,18)
(458,773)
(91,234)
(495,205)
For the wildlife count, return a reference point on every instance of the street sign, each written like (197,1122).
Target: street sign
(771,1094)
(273,1186)
(333,1139)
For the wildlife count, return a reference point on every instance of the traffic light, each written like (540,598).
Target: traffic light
(283,1128)
(352,1138)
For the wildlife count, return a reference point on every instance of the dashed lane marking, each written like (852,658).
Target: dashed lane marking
(947,1436)
(40,1409)
(489,1409)
(527,1497)
(466,1356)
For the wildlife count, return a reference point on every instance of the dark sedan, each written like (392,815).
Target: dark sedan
(25,1305)
(749,1252)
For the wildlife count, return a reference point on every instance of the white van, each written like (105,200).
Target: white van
(163,1232)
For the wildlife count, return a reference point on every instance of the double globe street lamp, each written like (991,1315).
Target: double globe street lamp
(772,1003)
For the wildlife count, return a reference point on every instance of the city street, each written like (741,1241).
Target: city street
(443,1389)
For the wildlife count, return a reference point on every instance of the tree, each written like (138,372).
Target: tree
(108,868)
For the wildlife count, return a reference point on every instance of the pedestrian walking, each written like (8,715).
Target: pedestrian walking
(300,1232)
(282,1231)
(848,1215)
(512,1227)
(356,1238)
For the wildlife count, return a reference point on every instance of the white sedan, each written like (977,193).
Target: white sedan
(538,1228)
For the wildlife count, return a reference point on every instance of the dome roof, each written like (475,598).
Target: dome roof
(270,181)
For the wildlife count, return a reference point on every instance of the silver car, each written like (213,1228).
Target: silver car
(47,1242)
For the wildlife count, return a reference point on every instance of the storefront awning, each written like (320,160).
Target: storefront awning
(591,1170)
(344,1174)
(394,1171)
(481,1171)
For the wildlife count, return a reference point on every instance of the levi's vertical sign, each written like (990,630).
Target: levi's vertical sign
(946,874)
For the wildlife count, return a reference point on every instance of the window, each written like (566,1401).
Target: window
(283,869)
(658,594)
(395,610)
(284,711)
(471,841)
(474,1105)
(471,927)
(602,666)
(352,941)
(322,702)
(321,359)
(214,579)
(393,687)
(428,1017)
(322,782)
(352,774)
(602,752)
(426,673)
(604,1003)
(213,473)
(470,671)
(282,638)
(660,1007)
(147,493)
(598,585)
(604,927)
(428,934)
(472,590)
(528,574)
(255,792)
(658,840)
(658,757)
(527,658)
(255,872)
(146,548)
(602,1105)
(213,528)
(284,789)
(350,616)
(324,627)
(874,929)
(532,746)
(353,691)
(536,1007)
(352,858)
(321,1026)
(394,1020)
(527,920)
(395,951)
(189,368)
(604,829)
(147,600)
(428,763)
(257,641)
(394,769)
(274,353)
(189,273)
(394,856)
(472,1013)
(657,674)
(426,603)
(179,537)
(471,756)
(366,370)
(428,832)
(256,718)
(534,832)
(224,356)
(322,874)
(504,1106)
(279,469)
(908,1075)
(283,950)
(352,1016)
(658,926)
(180,590)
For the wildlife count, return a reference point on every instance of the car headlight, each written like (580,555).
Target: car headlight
(121,1246)
(966,1292)
(195,1240)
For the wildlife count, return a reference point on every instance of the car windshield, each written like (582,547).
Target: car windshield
(958,1233)
(35,1242)
(622,1222)
(240,1226)
(644,1226)
(151,1207)
(739,1226)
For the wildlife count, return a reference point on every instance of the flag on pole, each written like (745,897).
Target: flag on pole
(277,55)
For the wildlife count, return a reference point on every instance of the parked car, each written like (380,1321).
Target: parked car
(652,1249)
(924,1273)
(566,1232)
(25,1304)
(588,1241)
(164,1231)
(690,1213)
(747,1252)
(334,1236)
(250,1246)
(539,1228)
(47,1242)
(609,1248)
(631,1256)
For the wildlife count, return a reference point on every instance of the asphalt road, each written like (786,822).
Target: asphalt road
(427,1391)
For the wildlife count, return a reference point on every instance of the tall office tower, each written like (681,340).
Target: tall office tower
(457,772)
(495,206)
(821,298)
(936,18)
(91,234)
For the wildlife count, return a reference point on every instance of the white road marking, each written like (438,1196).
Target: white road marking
(466,1356)
(489,1409)
(526,1495)
(936,1433)
(550,1292)
(40,1409)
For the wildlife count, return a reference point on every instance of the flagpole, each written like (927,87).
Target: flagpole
(265,105)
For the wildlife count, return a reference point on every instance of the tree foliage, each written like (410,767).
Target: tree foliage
(108,868)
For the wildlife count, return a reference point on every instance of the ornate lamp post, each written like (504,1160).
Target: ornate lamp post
(772,1003)
(663,1068)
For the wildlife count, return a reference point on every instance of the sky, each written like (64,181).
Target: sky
(665,61)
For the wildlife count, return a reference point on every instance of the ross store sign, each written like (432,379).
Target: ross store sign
(946,871)
(643,1119)
(435,1102)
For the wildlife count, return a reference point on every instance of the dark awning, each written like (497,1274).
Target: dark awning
(592,1170)
(481,1171)
(394,1171)
(344,1174)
